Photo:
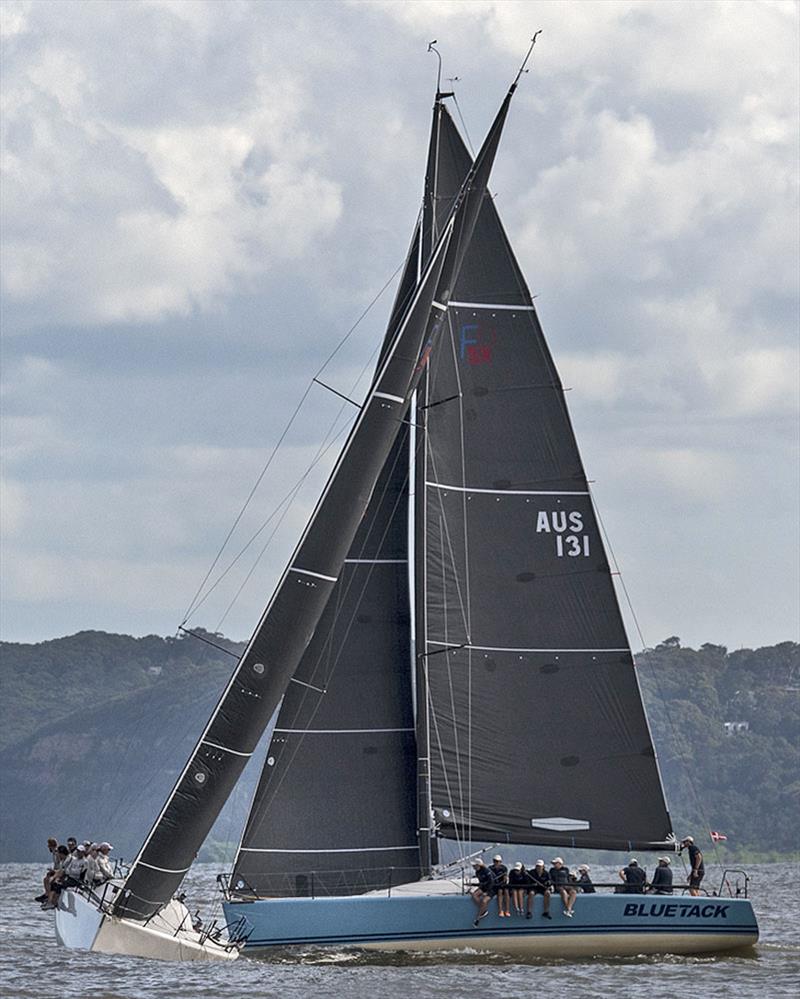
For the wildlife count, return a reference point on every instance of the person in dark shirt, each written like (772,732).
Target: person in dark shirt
(482,895)
(538,883)
(696,868)
(499,872)
(634,877)
(517,879)
(584,882)
(662,878)
(559,876)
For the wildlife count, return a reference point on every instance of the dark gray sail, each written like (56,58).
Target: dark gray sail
(287,626)
(335,809)
(348,720)
(536,728)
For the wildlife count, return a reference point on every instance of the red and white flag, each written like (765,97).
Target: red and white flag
(717,837)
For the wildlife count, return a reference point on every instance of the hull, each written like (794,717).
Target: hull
(608,925)
(81,925)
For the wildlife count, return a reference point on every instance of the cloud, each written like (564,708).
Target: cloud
(198,199)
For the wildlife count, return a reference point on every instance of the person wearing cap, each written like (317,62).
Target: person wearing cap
(499,872)
(634,877)
(559,875)
(662,878)
(482,895)
(103,861)
(584,882)
(72,845)
(75,868)
(538,884)
(696,868)
(517,879)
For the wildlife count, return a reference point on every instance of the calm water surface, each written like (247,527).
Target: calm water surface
(33,967)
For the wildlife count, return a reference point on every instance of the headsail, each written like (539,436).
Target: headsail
(350,719)
(349,713)
(537,730)
(289,621)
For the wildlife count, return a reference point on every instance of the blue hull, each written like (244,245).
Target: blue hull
(611,924)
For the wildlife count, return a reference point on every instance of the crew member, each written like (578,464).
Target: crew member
(662,878)
(538,883)
(696,869)
(634,877)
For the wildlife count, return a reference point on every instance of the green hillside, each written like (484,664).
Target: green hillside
(95,727)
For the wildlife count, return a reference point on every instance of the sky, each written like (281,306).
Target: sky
(199,200)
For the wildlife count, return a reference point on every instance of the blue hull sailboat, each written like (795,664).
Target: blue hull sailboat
(445,648)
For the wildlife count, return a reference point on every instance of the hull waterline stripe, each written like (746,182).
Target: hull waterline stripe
(386,395)
(224,749)
(164,870)
(509,492)
(339,731)
(317,575)
(498,648)
(559,933)
(486,305)
(355,849)
(376,561)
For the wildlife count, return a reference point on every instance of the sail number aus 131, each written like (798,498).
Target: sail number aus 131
(558,522)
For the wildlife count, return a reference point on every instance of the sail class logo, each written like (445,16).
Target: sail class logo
(476,342)
(671,909)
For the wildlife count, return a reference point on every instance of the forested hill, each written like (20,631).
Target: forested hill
(726,726)
(94,728)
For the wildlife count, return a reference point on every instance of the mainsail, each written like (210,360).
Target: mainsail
(537,730)
(291,617)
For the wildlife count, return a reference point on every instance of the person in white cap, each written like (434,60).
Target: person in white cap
(634,877)
(697,869)
(539,884)
(499,873)
(662,878)
(517,879)
(559,875)
(584,881)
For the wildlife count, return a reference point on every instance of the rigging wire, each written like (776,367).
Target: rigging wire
(193,605)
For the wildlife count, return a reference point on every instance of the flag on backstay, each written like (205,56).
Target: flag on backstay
(718,837)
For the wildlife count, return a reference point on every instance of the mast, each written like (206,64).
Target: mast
(291,616)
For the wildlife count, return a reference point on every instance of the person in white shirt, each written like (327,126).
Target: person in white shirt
(104,862)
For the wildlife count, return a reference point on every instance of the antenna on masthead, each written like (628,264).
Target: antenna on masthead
(525,61)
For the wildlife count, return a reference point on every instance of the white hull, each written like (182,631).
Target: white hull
(168,936)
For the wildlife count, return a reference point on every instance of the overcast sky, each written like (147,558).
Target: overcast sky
(200,198)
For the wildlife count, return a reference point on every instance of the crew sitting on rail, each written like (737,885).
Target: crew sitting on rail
(538,884)
(584,882)
(662,878)
(517,881)
(499,872)
(559,875)
(482,895)
(634,877)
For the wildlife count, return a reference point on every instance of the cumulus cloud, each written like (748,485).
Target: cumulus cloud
(199,197)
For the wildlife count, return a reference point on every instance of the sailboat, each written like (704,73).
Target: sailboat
(446,652)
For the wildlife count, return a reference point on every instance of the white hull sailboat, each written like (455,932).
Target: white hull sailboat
(448,599)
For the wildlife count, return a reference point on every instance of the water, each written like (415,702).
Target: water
(33,967)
